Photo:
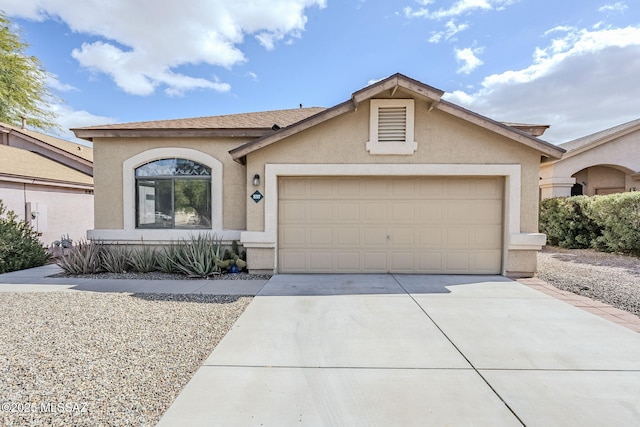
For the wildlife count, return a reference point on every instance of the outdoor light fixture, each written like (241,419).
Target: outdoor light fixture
(256,180)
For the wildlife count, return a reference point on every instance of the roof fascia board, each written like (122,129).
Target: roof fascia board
(548,149)
(43,181)
(52,148)
(391,84)
(239,153)
(90,134)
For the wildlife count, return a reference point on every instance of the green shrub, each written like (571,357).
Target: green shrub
(83,258)
(567,222)
(20,247)
(618,216)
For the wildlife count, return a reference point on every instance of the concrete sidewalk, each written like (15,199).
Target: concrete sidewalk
(414,350)
(38,280)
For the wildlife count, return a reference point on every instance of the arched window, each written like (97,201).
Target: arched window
(173,193)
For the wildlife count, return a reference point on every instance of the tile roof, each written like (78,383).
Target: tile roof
(262,119)
(73,148)
(26,164)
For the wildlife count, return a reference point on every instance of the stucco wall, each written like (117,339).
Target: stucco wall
(60,211)
(109,155)
(441,139)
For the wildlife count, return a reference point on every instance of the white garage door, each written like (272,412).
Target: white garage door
(446,225)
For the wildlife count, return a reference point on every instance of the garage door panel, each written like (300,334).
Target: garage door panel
(293,212)
(321,261)
(348,212)
(402,237)
(348,236)
(294,237)
(374,211)
(321,212)
(375,262)
(410,225)
(403,212)
(429,212)
(430,262)
(458,212)
(374,237)
(320,236)
(430,237)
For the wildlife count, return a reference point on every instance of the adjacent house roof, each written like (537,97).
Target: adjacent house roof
(71,148)
(246,124)
(588,142)
(21,165)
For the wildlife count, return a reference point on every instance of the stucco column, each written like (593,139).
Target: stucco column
(556,187)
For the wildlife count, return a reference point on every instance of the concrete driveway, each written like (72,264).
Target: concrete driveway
(366,350)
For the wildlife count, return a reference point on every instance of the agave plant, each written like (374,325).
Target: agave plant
(197,257)
(115,258)
(143,260)
(84,258)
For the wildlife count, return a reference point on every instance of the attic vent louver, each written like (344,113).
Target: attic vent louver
(392,124)
(391,127)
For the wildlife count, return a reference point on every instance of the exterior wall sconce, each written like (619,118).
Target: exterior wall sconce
(256,180)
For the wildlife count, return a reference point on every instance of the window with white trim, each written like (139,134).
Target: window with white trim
(173,193)
(391,128)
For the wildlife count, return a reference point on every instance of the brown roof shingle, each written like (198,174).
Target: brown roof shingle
(262,119)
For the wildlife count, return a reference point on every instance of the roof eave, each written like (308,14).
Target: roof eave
(238,154)
(90,134)
(598,142)
(545,148)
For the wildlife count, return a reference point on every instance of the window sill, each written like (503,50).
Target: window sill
(397,148)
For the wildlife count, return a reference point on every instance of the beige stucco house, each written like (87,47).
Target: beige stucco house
(394,179)
(601,163)
(47,182)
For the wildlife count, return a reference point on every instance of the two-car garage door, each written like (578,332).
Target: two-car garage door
(444,225)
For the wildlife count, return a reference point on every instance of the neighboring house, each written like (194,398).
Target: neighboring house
(394,179)
(48,182)
(602,163)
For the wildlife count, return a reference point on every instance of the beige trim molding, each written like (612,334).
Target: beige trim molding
(511,173)
(157,237)
(129,191)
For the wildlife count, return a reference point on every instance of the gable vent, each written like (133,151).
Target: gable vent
(392,124)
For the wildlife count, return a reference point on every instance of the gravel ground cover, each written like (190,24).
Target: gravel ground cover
(611,278)
(97,359)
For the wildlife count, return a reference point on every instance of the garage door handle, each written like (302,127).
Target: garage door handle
(388,237)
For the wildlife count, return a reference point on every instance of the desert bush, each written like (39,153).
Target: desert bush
(20,247)
(83,258)
(567,222)
(618,216)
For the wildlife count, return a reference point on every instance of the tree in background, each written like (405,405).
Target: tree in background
(23,83)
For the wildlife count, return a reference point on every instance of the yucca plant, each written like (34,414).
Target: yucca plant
(143,259)
(83,258)
(114,258)
(197,257)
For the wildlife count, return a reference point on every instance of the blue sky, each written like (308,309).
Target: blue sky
(572,65)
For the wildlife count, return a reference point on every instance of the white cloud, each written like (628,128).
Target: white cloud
(467,57)
(142,42)
(581,82)
(460,7)
(451,29)
(54,83)
(613,7)
(69,118)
